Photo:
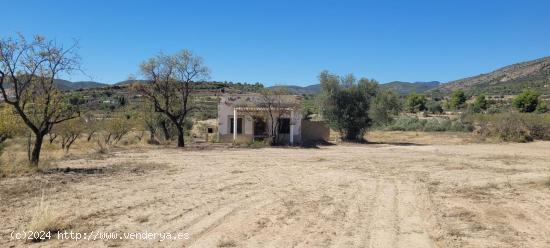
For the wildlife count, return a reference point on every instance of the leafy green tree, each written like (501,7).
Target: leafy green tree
(415,102)
(345,104)
(457,99)
(480,104)
(527,101)
(434,107)
(384,106)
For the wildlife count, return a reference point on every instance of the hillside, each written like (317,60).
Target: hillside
(401,88)
(311,89)
(404,88)
(511,79)
(66,85)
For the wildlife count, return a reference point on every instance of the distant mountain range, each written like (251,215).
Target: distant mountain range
(401,88)
(311,89)
(512,79)
(68,85)
(508,80)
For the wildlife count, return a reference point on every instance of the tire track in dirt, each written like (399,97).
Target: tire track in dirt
(357,217)
(396,221)
(383,230)
(411,225)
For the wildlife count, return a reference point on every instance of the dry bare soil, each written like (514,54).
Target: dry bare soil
(430,191)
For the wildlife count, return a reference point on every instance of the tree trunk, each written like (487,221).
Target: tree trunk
(35,154)
(165,130)
(181,142)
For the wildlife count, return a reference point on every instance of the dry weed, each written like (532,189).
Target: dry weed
(227,242)
(45,219)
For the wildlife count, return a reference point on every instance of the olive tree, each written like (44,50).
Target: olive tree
(345,104)
(28,70)
(172,79)
(384,106)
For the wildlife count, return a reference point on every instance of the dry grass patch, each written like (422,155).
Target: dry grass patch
(227,242)
(46,220)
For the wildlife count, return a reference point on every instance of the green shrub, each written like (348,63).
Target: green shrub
(527,101)
(513,127)
(431,125)
(457,99)
(434,107)
(415,102)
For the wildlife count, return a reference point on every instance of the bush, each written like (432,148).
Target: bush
(457,99)
(415,103)
(513,127)
(431,125)
(527,101)
(434,107)
(384,107)
(480,104)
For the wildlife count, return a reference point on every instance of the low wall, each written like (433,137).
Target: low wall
(314,131)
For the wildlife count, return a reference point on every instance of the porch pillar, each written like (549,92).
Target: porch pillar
(234,124)
(292,127)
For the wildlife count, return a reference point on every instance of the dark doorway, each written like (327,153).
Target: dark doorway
(284,125)
(259,127)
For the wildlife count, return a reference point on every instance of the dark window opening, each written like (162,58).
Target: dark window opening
(284,125)
(210,130)
(239,125)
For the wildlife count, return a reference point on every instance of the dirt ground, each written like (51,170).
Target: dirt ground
(402,190)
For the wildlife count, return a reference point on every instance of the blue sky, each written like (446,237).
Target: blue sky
(290,42)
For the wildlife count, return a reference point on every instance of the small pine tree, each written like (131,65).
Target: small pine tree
(457,99)
(416,102)
(527,101)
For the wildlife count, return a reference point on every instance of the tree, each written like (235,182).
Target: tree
(527,101)
(415,102)
(69,132)
(116,128)
(28,70)
(91,126)
(159,126)
(384,106)
(480,104)
(434,107)
(172,81)
(345,105)
(457,99)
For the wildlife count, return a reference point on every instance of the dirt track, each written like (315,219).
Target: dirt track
(376,195)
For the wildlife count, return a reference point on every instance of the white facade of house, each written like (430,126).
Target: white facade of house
(249,125)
